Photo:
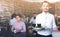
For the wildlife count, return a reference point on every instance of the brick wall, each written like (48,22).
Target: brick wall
(8,7)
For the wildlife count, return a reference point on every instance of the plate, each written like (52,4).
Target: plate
(37,29)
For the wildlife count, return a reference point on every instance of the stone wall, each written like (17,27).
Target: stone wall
(8,7)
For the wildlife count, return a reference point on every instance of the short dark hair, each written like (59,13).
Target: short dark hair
(18,15)
(46,2)
(13,15)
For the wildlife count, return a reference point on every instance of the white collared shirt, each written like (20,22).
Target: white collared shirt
(12,21)
(47,21)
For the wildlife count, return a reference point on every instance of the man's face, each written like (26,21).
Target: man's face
(18,18)
(45,7)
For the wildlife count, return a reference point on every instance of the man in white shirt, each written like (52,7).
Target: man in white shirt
(13,19)
(32,20)
(46,20)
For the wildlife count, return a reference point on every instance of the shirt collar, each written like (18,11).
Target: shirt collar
(45,13)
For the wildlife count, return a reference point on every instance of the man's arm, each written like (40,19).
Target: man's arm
(54,25)
(23,28)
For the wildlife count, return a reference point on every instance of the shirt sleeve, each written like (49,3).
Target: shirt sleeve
(12,29)
(53,21)
(23,28)
(10,23)
(31,20)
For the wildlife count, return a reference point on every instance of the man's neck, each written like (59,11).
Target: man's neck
(45,12)
(18,21)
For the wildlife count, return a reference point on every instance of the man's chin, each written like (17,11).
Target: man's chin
(46,11)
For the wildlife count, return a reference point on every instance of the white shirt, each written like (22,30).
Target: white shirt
(32,21)
(12,21)
(47,21)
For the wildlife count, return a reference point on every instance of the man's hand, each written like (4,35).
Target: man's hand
(55,29)
(17,30)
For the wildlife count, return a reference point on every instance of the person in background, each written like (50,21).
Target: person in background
(25,19)
(46,20)
(12,19)
(32,20)
(32,24)
(18,27)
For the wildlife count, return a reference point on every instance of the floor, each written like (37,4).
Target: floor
(56,34)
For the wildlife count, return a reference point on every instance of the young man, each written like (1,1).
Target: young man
(19,27)
(46,20)
(12,19)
